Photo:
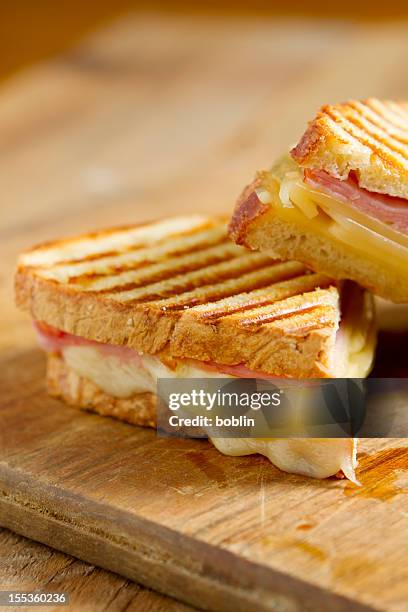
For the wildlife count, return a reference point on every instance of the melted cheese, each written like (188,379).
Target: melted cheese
(315,457)
(297,202)
(126,377)
(318,458)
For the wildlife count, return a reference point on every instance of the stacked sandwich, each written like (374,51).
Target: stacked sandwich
(116,310)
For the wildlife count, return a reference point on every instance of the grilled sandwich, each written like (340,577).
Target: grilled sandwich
(339,201)
(117,309)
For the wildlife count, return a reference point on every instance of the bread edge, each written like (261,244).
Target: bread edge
(285,240)
(247,209)
(63,383)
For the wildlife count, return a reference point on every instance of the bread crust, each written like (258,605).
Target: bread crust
(278,238)
(152,305)
(74,390)
(281,347)
(365,137)
(92,316)
(299,345)
(248,208)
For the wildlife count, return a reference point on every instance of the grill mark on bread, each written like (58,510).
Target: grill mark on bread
(257,320)
(377,121)
(197,231)
(383,139)
(172,263)
(230,288)
(290,307)
(400,109)
(368,137)
(206,280)
(155,272)
(105,266)
(267,296)
(105,254)
(77,248)
(385,112)
(384,151)
(286,345)
(195,272)
(213,280)
(389,139)
(319,318)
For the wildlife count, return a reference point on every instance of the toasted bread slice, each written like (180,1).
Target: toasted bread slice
(180,288)
(369,138)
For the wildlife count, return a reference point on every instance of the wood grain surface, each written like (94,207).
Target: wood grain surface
(26,565)
(162,115)
(215,531)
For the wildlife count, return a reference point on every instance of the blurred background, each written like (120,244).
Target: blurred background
(120,111)
(31,31)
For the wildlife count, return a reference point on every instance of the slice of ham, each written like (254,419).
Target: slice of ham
(384,208)
(54,340)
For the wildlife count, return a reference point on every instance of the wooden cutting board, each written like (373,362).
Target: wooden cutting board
(177,516)
(26,565)
(161,115)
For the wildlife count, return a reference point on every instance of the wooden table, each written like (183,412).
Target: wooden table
(27,565)
(164,115)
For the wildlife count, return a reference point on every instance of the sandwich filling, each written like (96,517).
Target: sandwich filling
(373,224)
(122,372)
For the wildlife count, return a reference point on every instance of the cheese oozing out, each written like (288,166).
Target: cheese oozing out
(296,201)
(126,377)
(314,457)
(122,372)
(309,457)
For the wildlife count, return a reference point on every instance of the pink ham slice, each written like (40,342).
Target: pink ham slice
(385,208)
(54,340)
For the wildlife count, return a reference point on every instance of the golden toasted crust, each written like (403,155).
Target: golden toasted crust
(369,138)
(64,383)
(248,208)
(187,293)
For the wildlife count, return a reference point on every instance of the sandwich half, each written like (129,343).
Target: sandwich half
(116,309)
(339,201)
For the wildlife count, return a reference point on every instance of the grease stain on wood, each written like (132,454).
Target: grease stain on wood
(379,475)
(214,473)
(354,568)
(305,526)
(284,544)
(311,549)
